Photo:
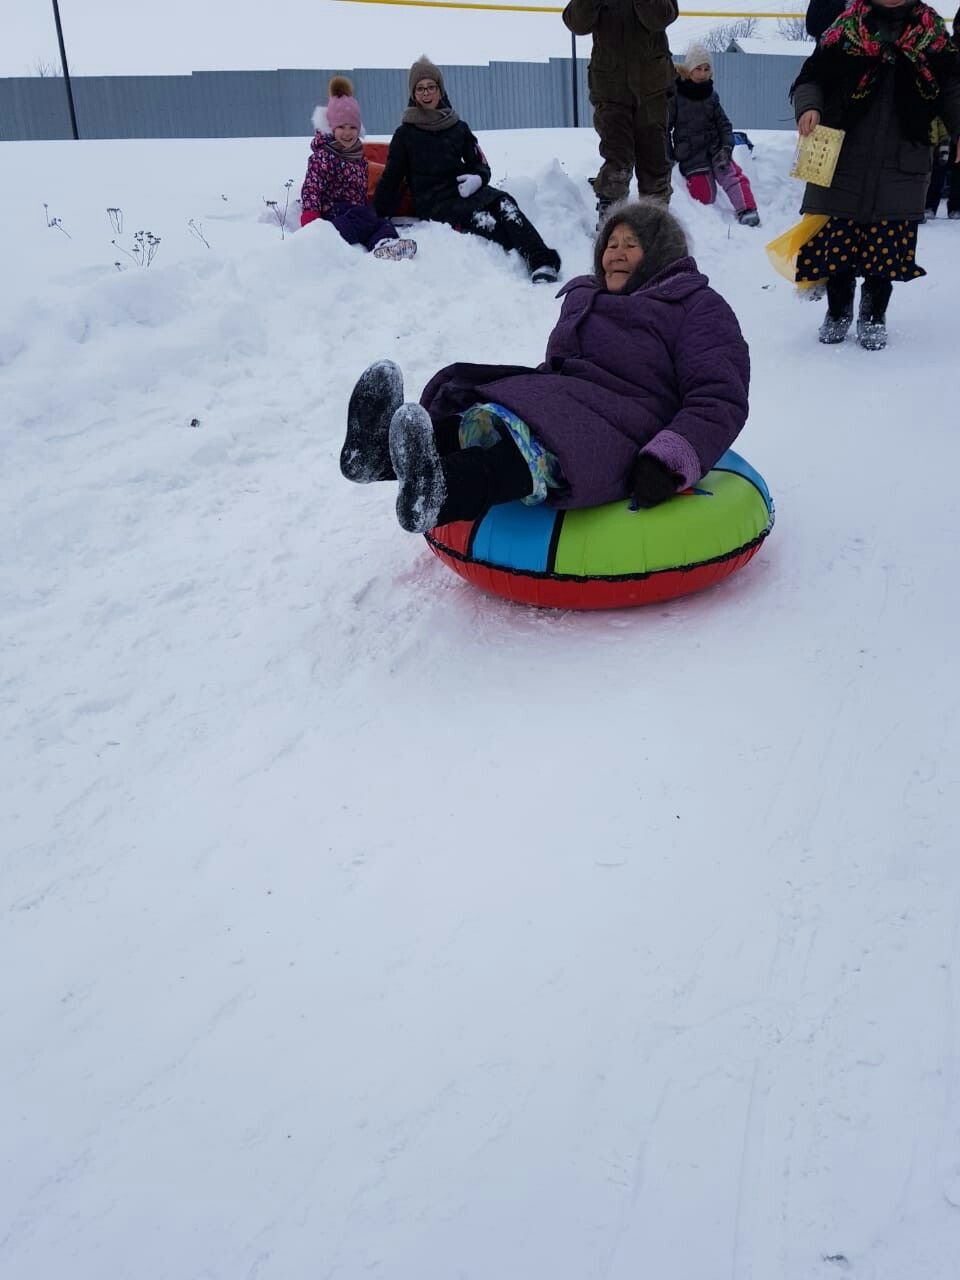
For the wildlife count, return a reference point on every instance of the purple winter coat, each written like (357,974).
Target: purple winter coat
(662,370)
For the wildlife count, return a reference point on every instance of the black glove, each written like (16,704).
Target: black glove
(723,157)
(652,481)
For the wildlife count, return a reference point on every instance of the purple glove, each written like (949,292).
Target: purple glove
(468,183)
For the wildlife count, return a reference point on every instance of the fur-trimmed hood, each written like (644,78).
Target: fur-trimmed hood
(658,232)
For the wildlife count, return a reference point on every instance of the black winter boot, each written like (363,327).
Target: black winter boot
(438,488)
(418,467)
(365,455)
(872,317)
(836,324)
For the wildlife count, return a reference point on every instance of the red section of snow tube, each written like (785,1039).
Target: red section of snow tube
(550,592)
(376,153)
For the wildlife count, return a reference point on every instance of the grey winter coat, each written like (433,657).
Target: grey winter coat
(699,127)
(880,174)
(630,56)
(662,370)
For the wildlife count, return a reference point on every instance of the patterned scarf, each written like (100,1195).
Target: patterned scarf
(924,32)
(853,56)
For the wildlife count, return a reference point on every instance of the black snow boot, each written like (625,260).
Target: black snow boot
(419,469)
(365,455)
(836,324)
(604,205)
(872,316)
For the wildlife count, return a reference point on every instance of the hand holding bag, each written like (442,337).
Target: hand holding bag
(817,155)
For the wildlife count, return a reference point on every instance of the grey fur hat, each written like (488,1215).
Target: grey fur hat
(661,237)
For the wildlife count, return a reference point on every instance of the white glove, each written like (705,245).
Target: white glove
(468,183)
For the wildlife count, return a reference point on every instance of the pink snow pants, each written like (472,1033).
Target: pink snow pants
(703,186)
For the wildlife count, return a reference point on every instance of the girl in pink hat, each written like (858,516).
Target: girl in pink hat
(335,187)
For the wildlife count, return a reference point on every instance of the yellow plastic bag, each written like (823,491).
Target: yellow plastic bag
(817,155)
(783,251)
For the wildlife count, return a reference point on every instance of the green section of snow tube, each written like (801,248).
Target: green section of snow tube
(723,513)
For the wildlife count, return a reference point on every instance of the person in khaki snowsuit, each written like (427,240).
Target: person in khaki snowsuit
(630,77)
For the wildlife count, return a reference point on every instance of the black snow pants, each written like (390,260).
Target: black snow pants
(505,224)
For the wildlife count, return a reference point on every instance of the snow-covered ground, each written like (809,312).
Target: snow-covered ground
(357,924)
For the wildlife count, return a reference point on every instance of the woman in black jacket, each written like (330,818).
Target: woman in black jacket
(434,153)
(881,73)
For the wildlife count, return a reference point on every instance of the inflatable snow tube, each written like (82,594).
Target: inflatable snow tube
(611,557)
(376,153)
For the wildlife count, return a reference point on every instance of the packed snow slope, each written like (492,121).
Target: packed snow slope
(355,923)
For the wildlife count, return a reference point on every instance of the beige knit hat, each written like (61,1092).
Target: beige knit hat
(696,55)
(424,69)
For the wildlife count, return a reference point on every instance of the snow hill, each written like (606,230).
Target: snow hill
(357,924)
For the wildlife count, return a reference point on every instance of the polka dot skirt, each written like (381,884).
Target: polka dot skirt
(882,248)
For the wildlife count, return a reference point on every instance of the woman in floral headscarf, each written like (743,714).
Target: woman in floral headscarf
(882,72)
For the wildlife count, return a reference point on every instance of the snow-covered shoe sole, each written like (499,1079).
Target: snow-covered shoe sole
(413,451)
(544,275)
(749,218)
(395,249)
(365,456)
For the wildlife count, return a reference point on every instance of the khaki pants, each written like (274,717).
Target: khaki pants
(633,139)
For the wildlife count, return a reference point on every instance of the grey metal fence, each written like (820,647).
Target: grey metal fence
(273,104)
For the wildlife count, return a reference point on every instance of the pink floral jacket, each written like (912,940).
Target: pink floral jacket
(331,179)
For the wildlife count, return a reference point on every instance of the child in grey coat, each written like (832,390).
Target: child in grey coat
(701,139)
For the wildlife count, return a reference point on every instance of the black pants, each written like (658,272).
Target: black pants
(475,478)
(633,139)
(874,296)
(938,180)
(505,224)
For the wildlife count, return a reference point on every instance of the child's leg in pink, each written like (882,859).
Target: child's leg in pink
(702,187)
(735,183)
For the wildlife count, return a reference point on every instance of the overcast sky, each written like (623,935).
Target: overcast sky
(117,37)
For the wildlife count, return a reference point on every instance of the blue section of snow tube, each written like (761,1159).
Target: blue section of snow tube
(733,462)
(515,536)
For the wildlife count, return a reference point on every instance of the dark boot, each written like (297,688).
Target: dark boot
(365,455)
(418,467)
(603,208)
(839,317)
(438,489)
(872,316)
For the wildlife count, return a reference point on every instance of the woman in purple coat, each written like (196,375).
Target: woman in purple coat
(643,387)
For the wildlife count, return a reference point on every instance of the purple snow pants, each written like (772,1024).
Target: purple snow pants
(361,224)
